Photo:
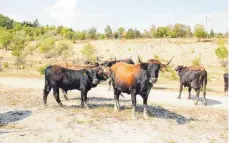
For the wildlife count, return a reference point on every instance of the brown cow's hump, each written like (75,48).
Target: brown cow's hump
(56,69)
(125,73)
(196,68)
(153,61)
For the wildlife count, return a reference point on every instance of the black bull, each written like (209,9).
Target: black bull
(83,80)
(195,79)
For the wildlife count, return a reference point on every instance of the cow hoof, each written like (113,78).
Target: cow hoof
(178,97)
(45,105)
(195,103)
(189,97)
(108,89)
(66,99)
(205,104)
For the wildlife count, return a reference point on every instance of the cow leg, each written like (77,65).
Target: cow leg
(189,92)
(133,97)
(116,98)
(204,94)
(145,114)
(181,88)
(56,95)
(46,91)
(65,94)
(84,99)
(197,96)
(109,84)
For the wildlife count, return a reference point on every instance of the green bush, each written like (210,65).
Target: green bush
(6,65)
(41,69)
(46,45)
(89,51)
(196,61)
(221,52)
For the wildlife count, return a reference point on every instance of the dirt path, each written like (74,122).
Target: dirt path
(24,119)
(156,96)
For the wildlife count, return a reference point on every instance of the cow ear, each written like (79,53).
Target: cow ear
(144,66)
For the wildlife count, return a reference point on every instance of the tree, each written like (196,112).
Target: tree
(222,52)
(212,34)
(108,32)
(89,52)
(121,31)
(199,31)
(5,38)
(80,35)
(179,30)
(36,23)
(152,31)
(137,33)
(162,32)
(64,51)
(188,32)
(146,34)
(19,42)
(130,34)
(46,45)
(91,34)
(6,22)
(17,26)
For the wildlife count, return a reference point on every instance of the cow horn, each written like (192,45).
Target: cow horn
(139,60)
(98,59)
(169,61)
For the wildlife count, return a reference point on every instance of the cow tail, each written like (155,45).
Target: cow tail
(205,80)
(47,86)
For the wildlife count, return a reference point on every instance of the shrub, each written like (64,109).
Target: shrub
(6,65)
(46,45)
(89,51)
(41,69)
(196,61)
(173,75)
(221,52)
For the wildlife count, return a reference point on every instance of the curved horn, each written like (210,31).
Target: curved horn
(139,59)
(169,61)
(98,59)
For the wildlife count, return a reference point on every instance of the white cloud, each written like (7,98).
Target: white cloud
(64,11)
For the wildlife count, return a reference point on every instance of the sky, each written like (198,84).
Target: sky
(140,14)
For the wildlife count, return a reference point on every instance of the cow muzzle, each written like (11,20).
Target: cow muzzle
(95,81)
(153,80)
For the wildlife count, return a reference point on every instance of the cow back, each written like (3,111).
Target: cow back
(125,73)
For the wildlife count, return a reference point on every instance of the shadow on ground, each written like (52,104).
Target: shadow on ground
(154,111)
(98,99)
(209,101)
(13,116)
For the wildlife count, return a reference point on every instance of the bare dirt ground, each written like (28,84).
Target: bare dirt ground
(24,119)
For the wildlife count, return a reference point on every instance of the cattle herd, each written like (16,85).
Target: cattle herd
(125,77)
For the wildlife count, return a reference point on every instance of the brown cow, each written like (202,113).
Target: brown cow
(133,79)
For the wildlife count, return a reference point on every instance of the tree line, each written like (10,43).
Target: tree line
(15,36)
(33,29)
